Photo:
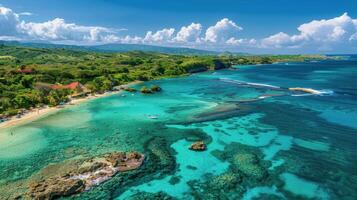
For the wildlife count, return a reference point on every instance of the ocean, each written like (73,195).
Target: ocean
(264,141)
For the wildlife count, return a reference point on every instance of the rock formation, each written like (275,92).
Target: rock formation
(306,90)
(145,90)
(198,146)
(155,88)
(55,188)
(79,175)
(128,89)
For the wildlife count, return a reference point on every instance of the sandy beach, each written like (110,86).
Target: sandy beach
(35,114)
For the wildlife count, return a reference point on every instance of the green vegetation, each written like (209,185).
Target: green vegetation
(26,74)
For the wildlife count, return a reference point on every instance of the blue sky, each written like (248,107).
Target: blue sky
(249,23)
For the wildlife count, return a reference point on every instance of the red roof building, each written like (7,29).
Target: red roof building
(77,88)
(71,86)
(25,71)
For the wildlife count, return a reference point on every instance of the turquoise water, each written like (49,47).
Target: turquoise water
(262,142)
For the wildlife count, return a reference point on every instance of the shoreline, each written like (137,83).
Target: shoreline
(38,113)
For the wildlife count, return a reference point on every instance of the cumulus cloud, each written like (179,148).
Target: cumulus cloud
(9,22)
(282,39)
(243,41)
(59,30)
(164,35)
(127,39)
(321,33)
(11,26)
(222,31)
(189,33)
(329,30)
(317,35)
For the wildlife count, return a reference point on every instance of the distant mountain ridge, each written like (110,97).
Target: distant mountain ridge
(115,48)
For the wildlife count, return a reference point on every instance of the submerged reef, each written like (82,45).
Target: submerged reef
(246,169)
(248,164)
(153,196)
(218,112)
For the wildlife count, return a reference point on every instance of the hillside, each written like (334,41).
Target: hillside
(115,48)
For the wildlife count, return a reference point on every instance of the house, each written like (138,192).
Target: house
(25,71)
(77,88)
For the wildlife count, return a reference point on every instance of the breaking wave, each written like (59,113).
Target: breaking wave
(290,91)
(249,84)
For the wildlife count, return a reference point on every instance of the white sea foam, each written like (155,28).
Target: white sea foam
(248,83)
(307,92)
(301,95)
(326,92)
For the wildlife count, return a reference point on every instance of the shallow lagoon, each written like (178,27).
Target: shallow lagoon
(282,147)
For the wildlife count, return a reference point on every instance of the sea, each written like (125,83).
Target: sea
(264,140)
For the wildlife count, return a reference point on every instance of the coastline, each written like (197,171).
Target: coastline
(35,114)
(38,113)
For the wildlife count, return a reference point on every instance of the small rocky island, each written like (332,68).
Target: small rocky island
(305,90)
(198,146)
(144,89)
(128,89)
(75,176)
(153,89)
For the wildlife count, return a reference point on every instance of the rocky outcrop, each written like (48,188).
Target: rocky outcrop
(55,188)
(79,175)
(198,146)
(128,89)
(155,88)
(306,90)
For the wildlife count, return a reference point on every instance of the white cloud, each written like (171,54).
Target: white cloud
(11,26)
(9,22)
(127,39)
(317,35)
(58,29)
(161,36)
(280,40)
(323,34)
(222,31)
(328,30)
(189,33)
(239,42)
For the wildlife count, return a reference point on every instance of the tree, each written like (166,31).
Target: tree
(27,81)
(22,101)
(53,98)
(5,104)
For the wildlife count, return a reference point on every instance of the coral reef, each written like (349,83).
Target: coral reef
(153,196)
(248,164)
